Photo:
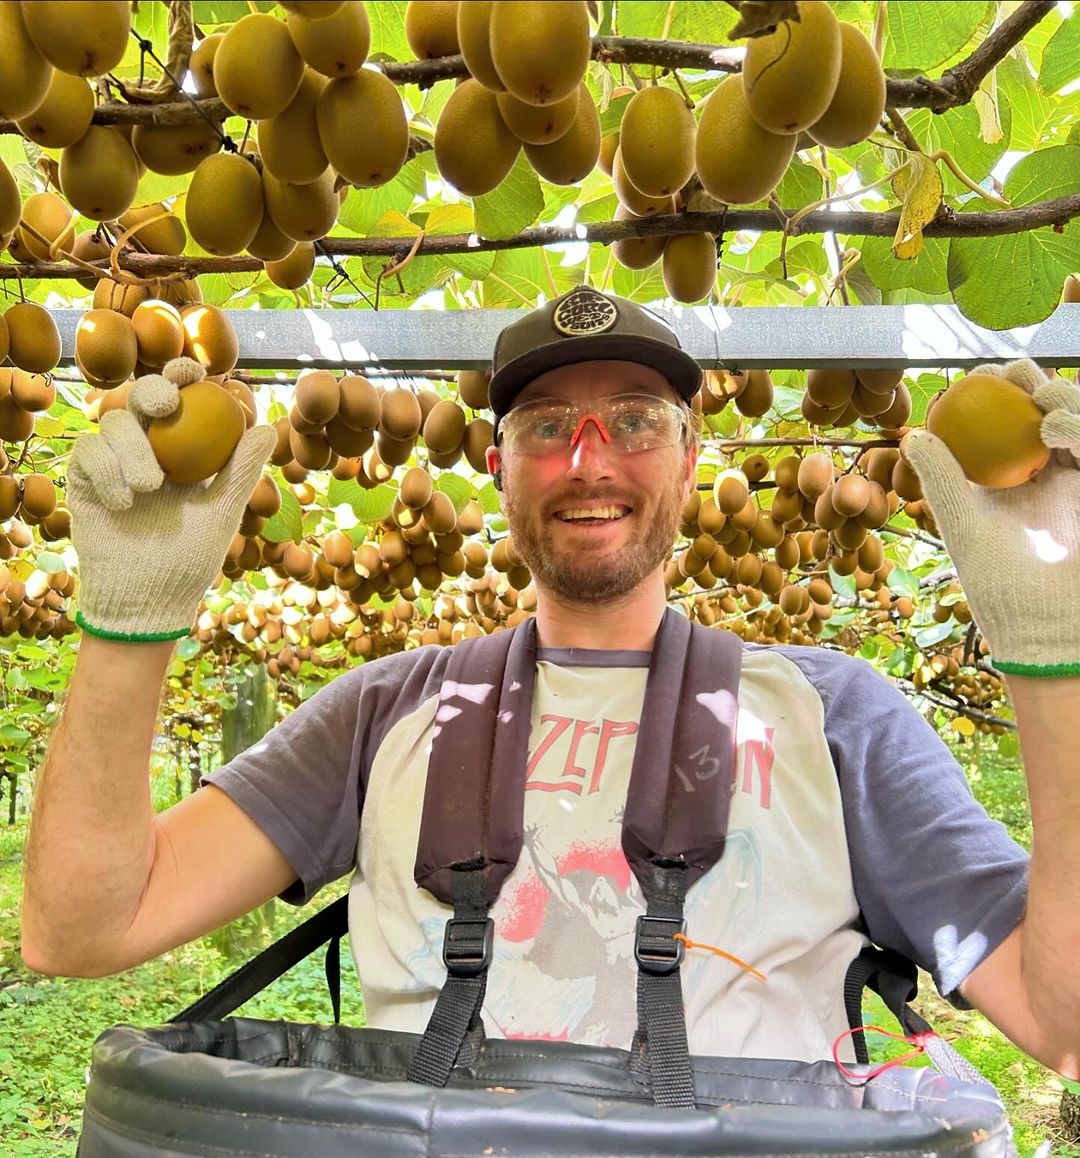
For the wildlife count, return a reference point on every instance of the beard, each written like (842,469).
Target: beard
(593,576)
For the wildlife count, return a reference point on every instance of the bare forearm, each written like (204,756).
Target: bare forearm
(91,833)
(1048,711)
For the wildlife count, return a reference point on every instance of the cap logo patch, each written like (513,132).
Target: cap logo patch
(584,311)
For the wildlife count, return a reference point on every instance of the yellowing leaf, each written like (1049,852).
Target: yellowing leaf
(985,101)
(918,184)
(963,725)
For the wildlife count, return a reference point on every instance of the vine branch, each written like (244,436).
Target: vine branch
(1056,212)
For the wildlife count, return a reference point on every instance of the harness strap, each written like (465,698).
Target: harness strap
(329,924)
(467,950)
(660,1048)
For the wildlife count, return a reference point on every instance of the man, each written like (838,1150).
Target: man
(848,815)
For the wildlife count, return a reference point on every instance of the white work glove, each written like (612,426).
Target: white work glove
(1017,549)
(149,548)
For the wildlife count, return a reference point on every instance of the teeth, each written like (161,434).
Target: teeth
(595,513)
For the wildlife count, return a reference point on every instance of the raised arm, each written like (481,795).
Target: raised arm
(1017,553)
(107,884)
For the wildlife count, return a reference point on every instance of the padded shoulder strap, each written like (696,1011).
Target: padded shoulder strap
(680,783)
(472,815)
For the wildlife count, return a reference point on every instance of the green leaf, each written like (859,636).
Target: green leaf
(903,582)
(843,585)
(513,205)
(1015,280)
(187,648)
(1031,109)
(488,498)
(50,563)
(387,19)
(11,734)
(957,132)
(925,272)
(1061,60)
(363,207)
(800,185)
(934,633)
(1008,745)
(458,489)
(287,524)
(925,33)
(419,275)
(373,505)
(454,219)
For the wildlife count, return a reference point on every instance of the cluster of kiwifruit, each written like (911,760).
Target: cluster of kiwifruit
(360,430)
(819,517)
(841,397)
(301,80)
(35,607)
(816,76)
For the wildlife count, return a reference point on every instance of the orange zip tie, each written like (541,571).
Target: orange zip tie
(719,952)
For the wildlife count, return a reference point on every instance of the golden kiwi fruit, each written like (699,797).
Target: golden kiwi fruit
(82,37)
(738,161)
(541,50)
(257,69)
(199,437)
(992,427)
(99,173)
(474,149)
(790,75)
(63,116)
(657,141)
(573,156)
(33,339)
(474,38)
(336,45)
(289,143)
(376,155)
(431,28)
(106,346)
(25,77)
(858,102)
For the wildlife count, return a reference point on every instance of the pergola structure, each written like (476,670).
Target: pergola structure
(773,338)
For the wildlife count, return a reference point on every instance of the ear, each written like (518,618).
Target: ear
(494,464)
(690,476)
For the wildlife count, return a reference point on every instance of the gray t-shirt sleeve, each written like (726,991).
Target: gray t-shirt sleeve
(303,782)
(935,877)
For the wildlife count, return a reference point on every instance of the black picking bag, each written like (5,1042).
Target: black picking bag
(213,1085)
(244,1087)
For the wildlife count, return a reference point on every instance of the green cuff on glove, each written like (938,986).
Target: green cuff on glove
(126,637)
(1039,671)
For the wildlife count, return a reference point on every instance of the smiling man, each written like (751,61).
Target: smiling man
(849,821)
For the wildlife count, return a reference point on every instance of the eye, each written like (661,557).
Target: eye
(635,421)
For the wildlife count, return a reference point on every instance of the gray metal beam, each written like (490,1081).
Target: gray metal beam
(768,337)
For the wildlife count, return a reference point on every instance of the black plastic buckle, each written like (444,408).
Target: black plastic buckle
(468,945)
(665,957)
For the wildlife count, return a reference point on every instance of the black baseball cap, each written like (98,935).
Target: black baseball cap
(586,325)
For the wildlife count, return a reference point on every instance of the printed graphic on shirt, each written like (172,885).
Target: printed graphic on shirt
(780,898)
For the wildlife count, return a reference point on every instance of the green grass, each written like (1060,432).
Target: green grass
(48,1025)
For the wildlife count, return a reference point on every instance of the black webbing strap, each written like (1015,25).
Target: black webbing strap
(896,981)
(660,1044)
(329,924)
(467,951)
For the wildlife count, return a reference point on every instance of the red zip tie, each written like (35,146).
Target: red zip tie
(719,952)
(918,1040)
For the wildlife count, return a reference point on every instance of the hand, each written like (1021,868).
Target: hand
(149,548)
(1017,549)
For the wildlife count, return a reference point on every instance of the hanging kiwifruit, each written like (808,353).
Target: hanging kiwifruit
(257,69)
(33,339)
(541,50)
(289,143)
(82,37)
(474,149)
(106,346)
(63,116)
(25,77)
(336,45)
(99,174)
(374,156)
(224,206)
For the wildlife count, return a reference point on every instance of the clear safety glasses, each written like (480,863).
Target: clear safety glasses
(627,422)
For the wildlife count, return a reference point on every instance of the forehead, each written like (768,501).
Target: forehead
(597,379)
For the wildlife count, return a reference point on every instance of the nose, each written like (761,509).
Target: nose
(590,458)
